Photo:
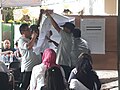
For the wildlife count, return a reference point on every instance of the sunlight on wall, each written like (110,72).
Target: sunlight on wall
(98,7)
(91,7)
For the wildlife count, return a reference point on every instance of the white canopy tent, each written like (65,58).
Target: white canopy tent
(17,3)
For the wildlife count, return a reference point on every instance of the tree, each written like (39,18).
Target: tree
(7,13)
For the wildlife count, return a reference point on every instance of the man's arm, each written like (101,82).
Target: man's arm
(40,17)
(55,43)
(32,41)
(50,40)
(55,25)
(34,34)
(6,52)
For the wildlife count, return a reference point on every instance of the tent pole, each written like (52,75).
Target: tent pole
(118,43)
(0,28)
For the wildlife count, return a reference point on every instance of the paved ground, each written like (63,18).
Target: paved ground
(109,79)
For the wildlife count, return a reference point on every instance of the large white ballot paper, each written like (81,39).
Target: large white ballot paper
(93,31)
(45,27)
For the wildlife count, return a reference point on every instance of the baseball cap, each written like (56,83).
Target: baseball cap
(69,25)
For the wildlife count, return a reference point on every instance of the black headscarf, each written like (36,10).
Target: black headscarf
(85,73)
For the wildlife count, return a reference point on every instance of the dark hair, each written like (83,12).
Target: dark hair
(54,79)
(84,63)
(16,43)
(85,72)
(76,32)
(34,27)
(22,27)
(69,25)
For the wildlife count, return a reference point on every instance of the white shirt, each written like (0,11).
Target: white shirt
(37,76)
(29,58)
(79,46)
(64,49)
(77,85)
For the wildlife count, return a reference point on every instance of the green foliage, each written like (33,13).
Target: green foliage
(7,13)
(8,17)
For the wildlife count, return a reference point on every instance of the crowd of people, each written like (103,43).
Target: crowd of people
(70,68)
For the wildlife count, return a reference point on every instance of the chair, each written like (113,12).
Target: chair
(15,65)
(4,81)
(15,68)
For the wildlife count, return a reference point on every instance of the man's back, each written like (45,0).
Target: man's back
(64,49)
(79,45)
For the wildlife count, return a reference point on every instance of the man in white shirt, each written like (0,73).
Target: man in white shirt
(29,58)
(64,48)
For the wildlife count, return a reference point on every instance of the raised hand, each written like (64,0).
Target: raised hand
(34,34)
(42,11)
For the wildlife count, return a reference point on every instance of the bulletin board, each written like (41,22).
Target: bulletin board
(93,31)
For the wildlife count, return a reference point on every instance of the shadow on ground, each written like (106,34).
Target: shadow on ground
(108,80)
(105,82)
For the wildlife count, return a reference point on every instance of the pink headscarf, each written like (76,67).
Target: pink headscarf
(49,58)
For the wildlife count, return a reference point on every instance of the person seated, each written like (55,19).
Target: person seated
(38,71)
(6,47)
(54,79)
(8,80)
(83,77)
(3,68)
(7,51)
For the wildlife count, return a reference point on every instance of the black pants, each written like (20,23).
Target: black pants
(25,79)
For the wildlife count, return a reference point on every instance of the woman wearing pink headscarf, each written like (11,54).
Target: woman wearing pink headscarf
(49,58)
(38,72)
